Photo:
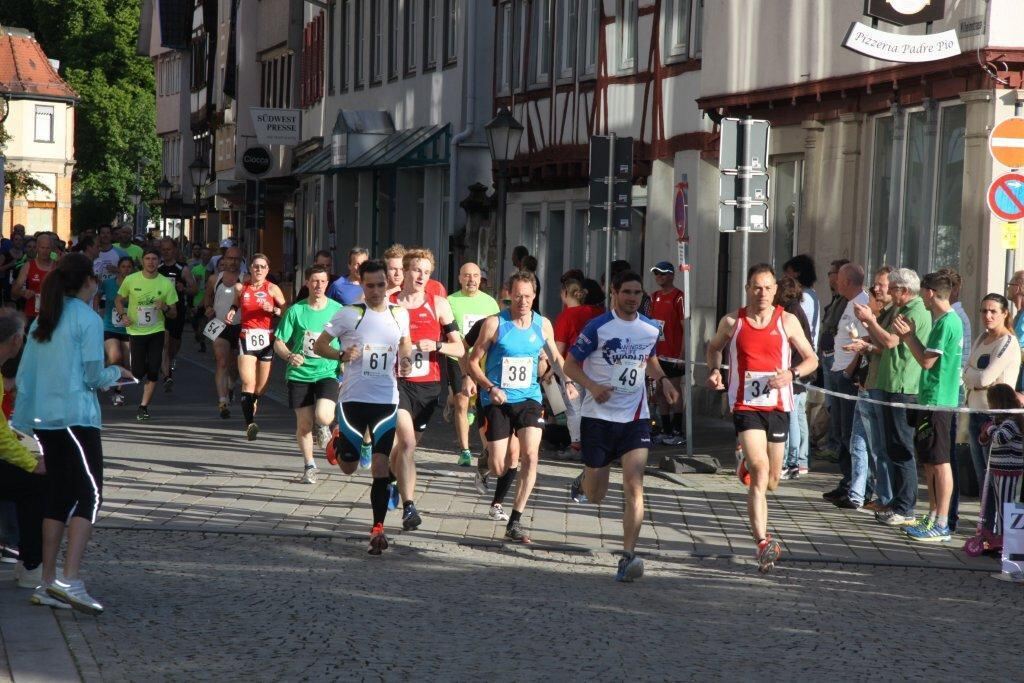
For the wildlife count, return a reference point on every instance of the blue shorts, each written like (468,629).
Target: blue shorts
(603,441)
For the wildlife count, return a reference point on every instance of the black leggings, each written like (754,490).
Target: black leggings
(28,491)
(74,469)
(147,355)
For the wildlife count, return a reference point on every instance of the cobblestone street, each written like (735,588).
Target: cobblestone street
(216,564)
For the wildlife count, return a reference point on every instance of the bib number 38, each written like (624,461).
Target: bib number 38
(516,373)
(756,390)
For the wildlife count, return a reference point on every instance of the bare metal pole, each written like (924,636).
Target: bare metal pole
(609,209)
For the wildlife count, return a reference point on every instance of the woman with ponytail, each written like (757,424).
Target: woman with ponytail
(61,369)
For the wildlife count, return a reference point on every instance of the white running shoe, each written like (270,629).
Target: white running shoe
(43,598)
(73,592)
(309,475)
(28,578)
(497,513)
(321,436)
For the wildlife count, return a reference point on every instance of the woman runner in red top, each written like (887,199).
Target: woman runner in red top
(759,338)
(433,332)
(257,303)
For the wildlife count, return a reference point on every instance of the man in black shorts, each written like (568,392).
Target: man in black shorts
(180,274)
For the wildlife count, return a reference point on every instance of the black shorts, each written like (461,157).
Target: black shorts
(501,421)
(672,369)
(230,334)
(355,419)
(119,336)
(604,441)
(932,438)
(147,355)
(176,326)
(264,354)
(419,399)
(305,394)
(774,423)
(454,375)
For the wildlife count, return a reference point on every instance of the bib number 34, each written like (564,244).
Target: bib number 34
(757,391)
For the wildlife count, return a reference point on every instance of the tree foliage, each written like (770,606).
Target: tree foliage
(95,41)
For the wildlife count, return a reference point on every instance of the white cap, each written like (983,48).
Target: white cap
(227,243)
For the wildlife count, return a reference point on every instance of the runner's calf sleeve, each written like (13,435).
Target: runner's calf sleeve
(248,406)
(379,499)
(503,484)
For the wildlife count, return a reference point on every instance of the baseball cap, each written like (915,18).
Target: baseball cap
(663,267)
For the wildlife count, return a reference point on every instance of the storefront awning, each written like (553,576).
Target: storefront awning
(424,146)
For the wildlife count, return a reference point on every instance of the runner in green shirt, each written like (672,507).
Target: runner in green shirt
(469,305)
(940,386)
(126,245)
(146,298)
(312,383)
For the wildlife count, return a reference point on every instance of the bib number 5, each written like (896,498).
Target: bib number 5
(145,316)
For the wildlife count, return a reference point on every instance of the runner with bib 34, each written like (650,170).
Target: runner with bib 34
(759,338)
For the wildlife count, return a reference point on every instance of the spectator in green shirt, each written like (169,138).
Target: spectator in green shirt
(898,378)
(940,386)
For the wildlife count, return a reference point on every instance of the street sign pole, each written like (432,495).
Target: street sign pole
(609,209)
(743,200)
(684,244)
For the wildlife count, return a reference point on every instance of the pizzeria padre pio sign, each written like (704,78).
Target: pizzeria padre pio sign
(894,47)
(276,126)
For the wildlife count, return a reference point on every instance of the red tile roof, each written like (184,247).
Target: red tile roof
(24,69)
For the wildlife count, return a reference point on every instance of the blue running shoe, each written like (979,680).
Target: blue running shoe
(411,518)
(365,455)
(393,500)
(931,534)
(630,568)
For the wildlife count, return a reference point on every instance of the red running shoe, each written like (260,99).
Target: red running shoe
(742,473)
(378,541)
(768,552)
(332,457)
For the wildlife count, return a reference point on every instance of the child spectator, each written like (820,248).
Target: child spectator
(1006,454)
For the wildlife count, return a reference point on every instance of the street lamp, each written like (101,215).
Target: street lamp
(197,171)
(135,197)
(503,136)
(163,190)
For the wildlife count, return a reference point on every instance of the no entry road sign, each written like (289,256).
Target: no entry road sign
(1006,142)
(1006,197)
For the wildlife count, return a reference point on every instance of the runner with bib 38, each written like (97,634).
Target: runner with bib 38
(759,338)
(509,390)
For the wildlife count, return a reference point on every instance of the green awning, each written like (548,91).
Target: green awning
(423,146)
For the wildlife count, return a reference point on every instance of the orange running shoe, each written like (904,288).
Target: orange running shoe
(332,457)
(768,552)
(378,541)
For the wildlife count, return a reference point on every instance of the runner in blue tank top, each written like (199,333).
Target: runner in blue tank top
(510,393)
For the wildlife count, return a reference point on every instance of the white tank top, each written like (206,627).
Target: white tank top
(371,377)
(223,299)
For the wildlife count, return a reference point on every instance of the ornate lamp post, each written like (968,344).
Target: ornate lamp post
(503,136)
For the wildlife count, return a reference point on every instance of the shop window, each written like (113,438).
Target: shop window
(916,188)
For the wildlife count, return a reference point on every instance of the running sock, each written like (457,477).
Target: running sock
(666,424)
(248,406)
(379,499)
(514,516)
(503,484)
(391,477)
(406,504)
(932,515)
(677,423)
(222,399)
(942,521)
